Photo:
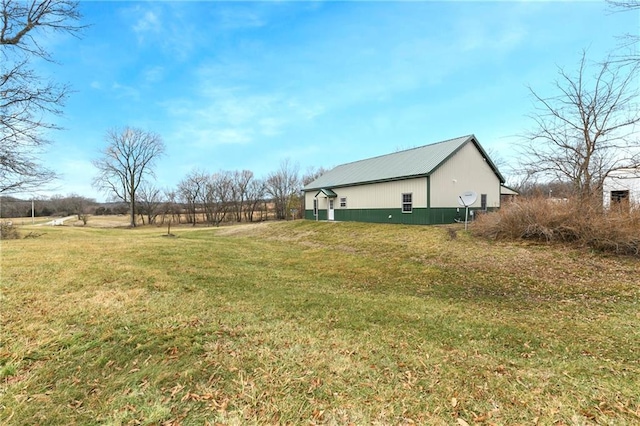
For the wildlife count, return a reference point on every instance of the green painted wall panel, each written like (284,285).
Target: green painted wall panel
(419,216)
(308,214)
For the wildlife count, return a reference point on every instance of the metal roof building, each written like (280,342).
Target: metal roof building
(420,185)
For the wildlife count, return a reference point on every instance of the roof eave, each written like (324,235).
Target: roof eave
(369,182)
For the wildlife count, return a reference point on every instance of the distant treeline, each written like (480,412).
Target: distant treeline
(200,197)
(57,206)
(157,212)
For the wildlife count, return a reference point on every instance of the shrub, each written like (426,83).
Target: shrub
(583,223)
(8,231)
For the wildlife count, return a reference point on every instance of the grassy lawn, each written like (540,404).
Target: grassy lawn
(314,323)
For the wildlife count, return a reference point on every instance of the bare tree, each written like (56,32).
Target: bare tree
(282,185)
(625,4)
(255,196)
(149,202)
(126,162)
(26,97)
(80,206)
(628,48)
(191,192)
(71,204)
(21,21)
(217,197)
(587,130)
(312,174)
(171,206)
(239,191)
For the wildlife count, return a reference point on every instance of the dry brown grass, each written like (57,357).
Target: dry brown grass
(574,222)
(107,221)
(314,323)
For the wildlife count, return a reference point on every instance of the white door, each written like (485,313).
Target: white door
(330,209)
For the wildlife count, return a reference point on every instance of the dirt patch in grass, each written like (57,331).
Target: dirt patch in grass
(243,229)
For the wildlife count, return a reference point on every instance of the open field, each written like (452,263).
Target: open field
(110,221)
(313,323)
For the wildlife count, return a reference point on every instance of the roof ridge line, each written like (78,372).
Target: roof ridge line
(466,137)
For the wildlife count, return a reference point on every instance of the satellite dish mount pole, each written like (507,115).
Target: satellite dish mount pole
(465,200)
(466,213)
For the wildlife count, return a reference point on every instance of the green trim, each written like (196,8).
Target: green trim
(475,142)
(419,216)
(326,191)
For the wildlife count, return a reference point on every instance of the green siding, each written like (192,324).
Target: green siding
(308,214)
(419,216)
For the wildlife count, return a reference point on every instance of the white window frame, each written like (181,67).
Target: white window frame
(343,202)
(315,207)
(407,203)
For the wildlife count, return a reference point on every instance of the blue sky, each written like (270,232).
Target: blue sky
(240,85)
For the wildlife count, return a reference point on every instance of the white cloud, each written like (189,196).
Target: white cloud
(153,74)
(511,38)
(234,115)
(124,91)
(270,126)
(164,25)
(149,22)
(237,17)
(486,39)
(231,136)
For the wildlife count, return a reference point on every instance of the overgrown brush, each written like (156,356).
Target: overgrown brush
(8,231)
(579,222)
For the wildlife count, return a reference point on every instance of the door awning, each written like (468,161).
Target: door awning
(327,192)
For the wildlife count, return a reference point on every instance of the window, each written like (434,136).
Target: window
(620,200)
(483,201)
(619,196)
(407,203)
(343,202)
(315,207)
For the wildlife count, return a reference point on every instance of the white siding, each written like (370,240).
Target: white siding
(308,200)
(622,180)
(465,171)
(323,201)
(376,196)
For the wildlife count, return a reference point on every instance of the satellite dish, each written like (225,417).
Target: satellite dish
(467,198)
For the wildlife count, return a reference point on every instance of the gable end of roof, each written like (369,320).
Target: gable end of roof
(407,164)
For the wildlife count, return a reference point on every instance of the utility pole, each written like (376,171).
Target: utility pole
(33,214)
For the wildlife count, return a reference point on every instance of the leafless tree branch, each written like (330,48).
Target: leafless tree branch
(282,185)
(588,129)
(126,162)
(26,97)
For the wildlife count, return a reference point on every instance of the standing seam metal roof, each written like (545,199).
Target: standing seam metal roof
(421,161)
